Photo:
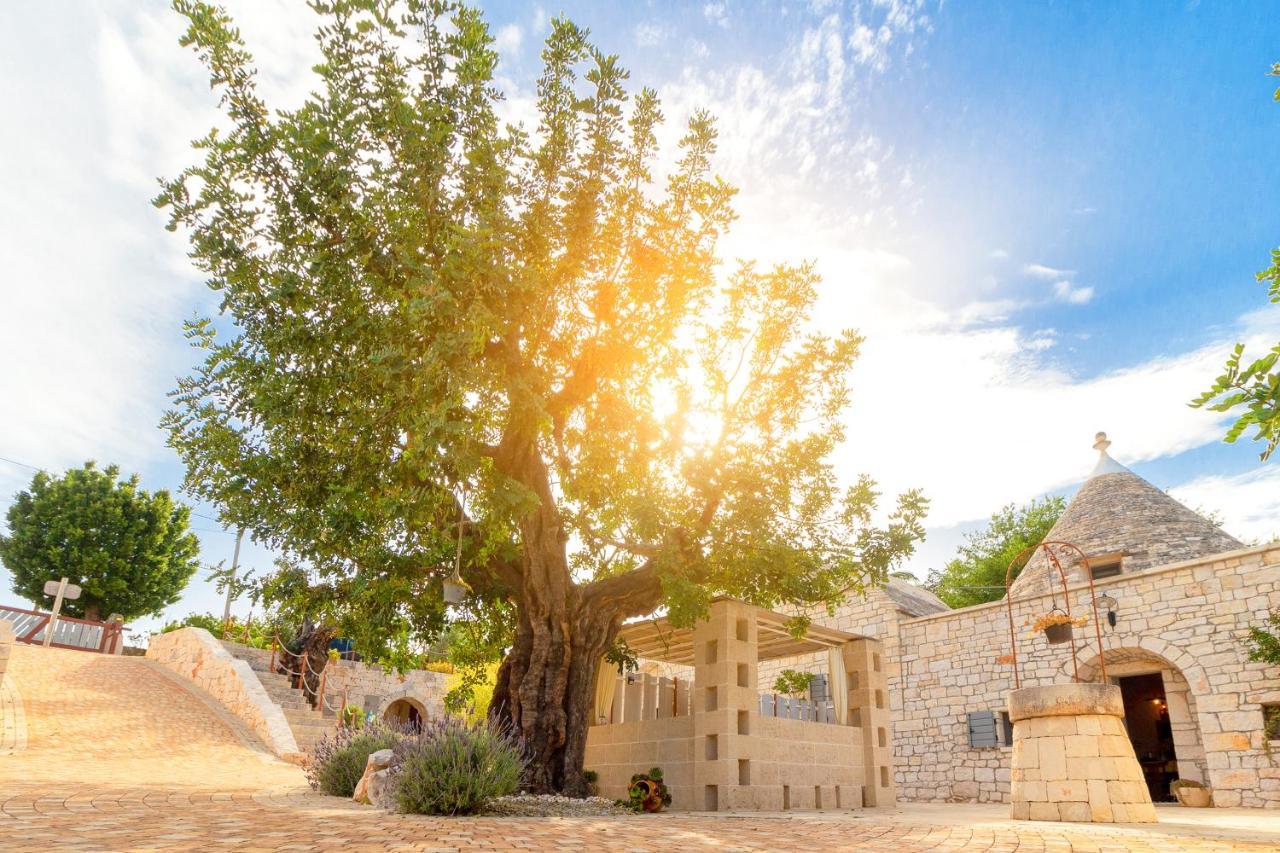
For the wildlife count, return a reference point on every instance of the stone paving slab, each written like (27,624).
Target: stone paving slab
(121,757)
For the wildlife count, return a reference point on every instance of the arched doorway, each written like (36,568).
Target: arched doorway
(1160,715)
(405,712)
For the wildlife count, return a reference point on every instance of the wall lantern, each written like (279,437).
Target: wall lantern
(1109,604)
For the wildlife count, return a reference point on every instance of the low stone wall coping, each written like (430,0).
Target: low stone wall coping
(1065,700)
(1117,581)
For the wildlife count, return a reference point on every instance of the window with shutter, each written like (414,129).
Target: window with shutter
(1006,728)
(982,729)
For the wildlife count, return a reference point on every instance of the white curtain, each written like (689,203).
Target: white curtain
(606,684)
(839,682)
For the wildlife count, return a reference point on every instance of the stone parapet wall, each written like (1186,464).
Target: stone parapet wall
(619,750)
(6,644)
(194,654)
(1189,617)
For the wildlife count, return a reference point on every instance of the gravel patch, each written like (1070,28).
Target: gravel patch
(531,805)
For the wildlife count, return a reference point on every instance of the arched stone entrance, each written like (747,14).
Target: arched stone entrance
(1141,665)
(405,712)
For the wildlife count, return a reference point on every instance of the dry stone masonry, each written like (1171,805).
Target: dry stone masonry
(1185,597)
(1072,759)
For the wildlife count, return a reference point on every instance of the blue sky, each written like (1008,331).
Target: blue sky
(1044,216)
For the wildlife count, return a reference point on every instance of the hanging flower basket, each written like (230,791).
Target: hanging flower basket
(1057,626)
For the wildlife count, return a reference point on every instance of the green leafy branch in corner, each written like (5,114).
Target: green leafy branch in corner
(1263,644)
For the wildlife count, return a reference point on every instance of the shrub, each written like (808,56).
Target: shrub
(454,767)
(338,760)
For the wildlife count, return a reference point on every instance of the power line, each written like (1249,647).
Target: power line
(224,532)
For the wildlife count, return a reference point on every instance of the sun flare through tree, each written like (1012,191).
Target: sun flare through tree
(447,338)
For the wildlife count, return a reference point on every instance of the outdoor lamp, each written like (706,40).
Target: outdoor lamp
(1109,604)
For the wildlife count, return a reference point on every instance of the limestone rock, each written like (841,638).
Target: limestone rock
(369,786)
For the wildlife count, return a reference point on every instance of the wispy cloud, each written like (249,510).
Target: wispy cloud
(1065,291)
(1249,503)
(508,39)
(1047,272)
(649,34)
(716,13)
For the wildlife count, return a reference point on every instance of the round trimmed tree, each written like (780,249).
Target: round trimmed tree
(455,344)
(129,550)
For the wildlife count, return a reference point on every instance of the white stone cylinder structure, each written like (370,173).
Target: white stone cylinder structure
(1072,759)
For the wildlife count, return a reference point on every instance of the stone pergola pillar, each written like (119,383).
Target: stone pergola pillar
(869,710)
(1072,759)
(724,702)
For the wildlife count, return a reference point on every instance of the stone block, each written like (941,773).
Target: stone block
(1075,811)
(1043,811)
(1053,758)
(1082,746)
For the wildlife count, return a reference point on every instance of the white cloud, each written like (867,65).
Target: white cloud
(1065,291)
(1249,503)
(998,255)
(649,34)
(716,13)
(1046,272)
(508,39)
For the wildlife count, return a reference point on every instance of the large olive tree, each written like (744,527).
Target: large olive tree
(456,341)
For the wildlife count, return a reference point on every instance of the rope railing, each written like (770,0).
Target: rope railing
(280,653)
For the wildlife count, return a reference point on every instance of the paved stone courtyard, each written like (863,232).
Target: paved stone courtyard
(119,755)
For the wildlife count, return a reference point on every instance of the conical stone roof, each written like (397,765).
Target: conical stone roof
(1116,512)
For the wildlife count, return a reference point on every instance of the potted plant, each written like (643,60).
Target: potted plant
(648,793)
(1057,625)
(592,778)
(1191,793)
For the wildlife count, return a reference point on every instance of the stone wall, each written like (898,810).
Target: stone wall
(618,750)
(374,689)
(193,653)
(1187,618)
(6,643)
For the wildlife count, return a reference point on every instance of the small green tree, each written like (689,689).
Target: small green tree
(976,574)
(130,551)
(1252,390)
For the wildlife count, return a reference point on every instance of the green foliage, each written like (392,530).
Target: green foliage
(647,792)
(793,682)
(1252,391)
(353,717)
(448,339)
(129,550)
(338,760)
(453,767)
(621,656)
(1264,644)
(255,633)
(977,573)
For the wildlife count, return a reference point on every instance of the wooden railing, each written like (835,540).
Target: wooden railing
(69,633)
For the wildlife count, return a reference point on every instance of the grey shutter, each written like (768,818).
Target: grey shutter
(818,689)
(982,729)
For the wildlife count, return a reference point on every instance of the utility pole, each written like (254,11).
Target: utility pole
(235,561)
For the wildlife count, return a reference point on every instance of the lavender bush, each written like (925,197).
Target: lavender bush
(453,767)
(338,759)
